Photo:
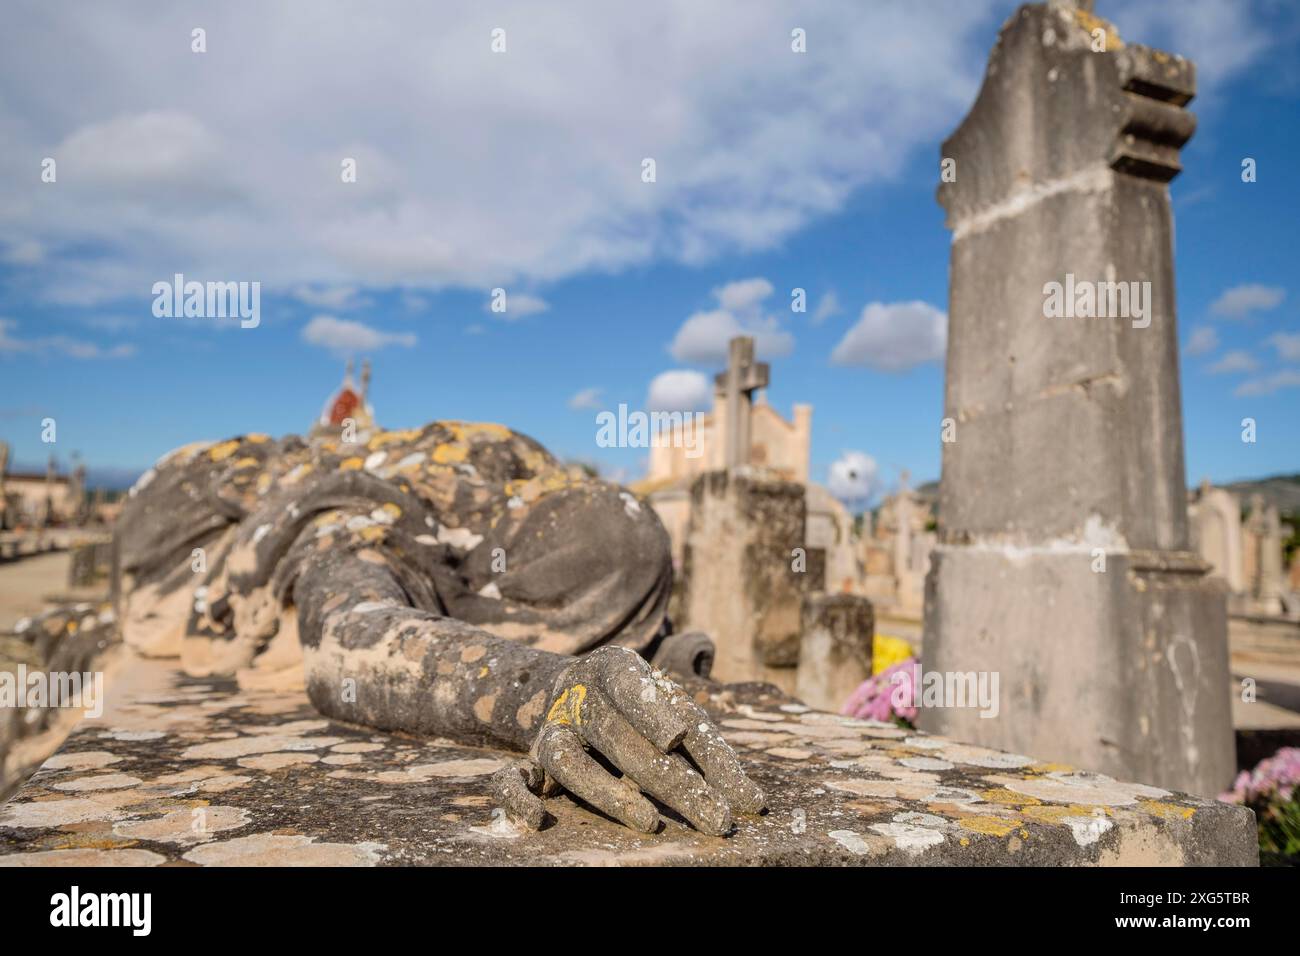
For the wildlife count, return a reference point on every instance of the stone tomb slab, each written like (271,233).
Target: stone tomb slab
(206,774)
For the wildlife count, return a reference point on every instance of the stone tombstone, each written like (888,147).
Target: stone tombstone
(835,651)
(746,571)
(1063,560)
(1268,582)
(1216,527)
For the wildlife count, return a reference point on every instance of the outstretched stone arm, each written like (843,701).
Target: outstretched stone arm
(371,658)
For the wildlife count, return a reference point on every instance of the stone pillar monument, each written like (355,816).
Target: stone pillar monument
(1063,561)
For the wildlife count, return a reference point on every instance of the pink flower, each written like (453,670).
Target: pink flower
(885,696)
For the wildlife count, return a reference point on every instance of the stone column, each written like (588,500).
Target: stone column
(1064,560)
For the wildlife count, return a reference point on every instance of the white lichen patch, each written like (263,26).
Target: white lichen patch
(292,727)
(1087,830)
(102,781)
(983,757)
(132,736)
(925,763)
(276,761)
(266,849)
(501,828)
(56,813)
(84,857)
(851,841)
(245,746)
(83,760)
(790,753)
(1088,789)
(909,837)
(469,767)
(188,825)
(342,760)
(359,747)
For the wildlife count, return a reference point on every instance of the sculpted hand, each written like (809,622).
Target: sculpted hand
(613,703)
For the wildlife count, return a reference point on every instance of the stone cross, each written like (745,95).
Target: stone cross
(742,378)
(1063,560)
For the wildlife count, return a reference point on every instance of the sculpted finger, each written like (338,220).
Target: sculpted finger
(666,777)
(514,787)
(643,699)
(719,763)
(560,753)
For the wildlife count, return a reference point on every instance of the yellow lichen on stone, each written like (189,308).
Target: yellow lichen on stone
(989,826)
(351,464)
(1057,814)
(224,450)
(1090,22)
(393,438)
(449,454)
(257,438)
(247,462)
(567,708)
(1167,811)
(1005,797)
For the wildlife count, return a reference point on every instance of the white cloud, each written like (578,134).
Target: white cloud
(347,337)
(1266,385)
(57,345)
(853,477)
(892,337)
(522,167)
(339,297)
(679,390)
(1202,341)
(827,306)
(1287,345)
(743,295)
(703,338)
(587,398)
(1241,300)
(1234,362)
(518,305)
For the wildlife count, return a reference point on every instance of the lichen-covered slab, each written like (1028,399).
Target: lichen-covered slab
(207,774)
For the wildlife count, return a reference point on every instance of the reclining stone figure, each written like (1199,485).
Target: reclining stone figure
(440,581)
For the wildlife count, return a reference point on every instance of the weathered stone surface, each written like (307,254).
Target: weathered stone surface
(194,771)
(835,649)
(741,583)
(1068,429)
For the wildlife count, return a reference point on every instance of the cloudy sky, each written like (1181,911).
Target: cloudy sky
(524,170)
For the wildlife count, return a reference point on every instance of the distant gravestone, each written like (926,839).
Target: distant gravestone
(1064,559)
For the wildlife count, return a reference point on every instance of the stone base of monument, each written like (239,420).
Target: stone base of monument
(1124,676)
(186,771)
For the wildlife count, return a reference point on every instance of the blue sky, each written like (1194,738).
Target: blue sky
(522,171)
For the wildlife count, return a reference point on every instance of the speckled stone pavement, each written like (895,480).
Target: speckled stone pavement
(184,771)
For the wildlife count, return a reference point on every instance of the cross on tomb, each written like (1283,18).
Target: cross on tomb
(742,378)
